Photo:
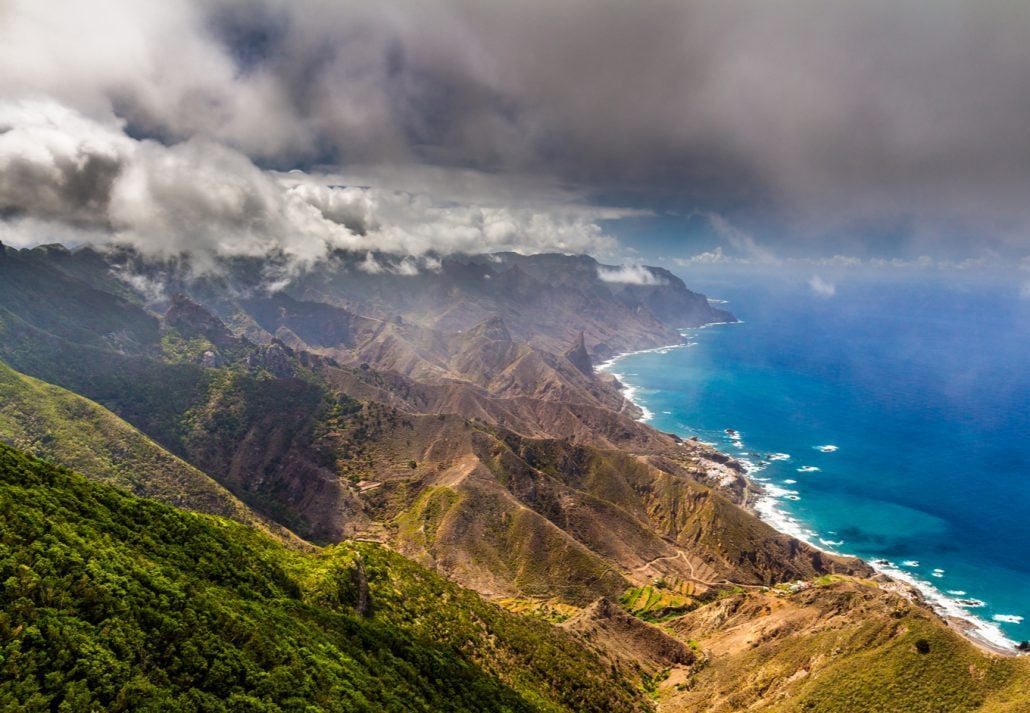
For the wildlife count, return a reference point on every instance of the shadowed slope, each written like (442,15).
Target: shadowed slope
(62,427)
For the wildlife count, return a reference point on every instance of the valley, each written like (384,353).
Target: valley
(446,430)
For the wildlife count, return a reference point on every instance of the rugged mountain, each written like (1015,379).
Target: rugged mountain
(544,299)
(448,409)
(625,638)
(591,423)
(514,516)
(579,357)
(281,430)
(256,433)
(115,603)
(36,286)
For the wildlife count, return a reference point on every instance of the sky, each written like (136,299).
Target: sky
(686,133)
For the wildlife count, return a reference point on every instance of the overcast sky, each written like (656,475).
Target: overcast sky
(697,131)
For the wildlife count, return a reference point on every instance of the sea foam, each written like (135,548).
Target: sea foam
(768,507)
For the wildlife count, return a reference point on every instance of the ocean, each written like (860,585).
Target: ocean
(887,418)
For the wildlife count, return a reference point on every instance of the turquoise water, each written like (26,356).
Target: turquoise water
(924,390)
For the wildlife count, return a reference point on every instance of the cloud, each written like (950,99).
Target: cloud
(62,173)
(745,245)
(802,118)
(630,275)
(989,263)
(406,266)
(55,165)
(821,287)
(371,265)
(711,257)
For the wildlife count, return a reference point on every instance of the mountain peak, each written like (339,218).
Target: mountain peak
(578,355)
(191,319)
(493,329)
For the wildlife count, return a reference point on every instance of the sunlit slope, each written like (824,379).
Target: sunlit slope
(62,427)
(117,603)
(839,645)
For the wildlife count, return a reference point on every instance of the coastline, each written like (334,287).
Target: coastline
(983,634)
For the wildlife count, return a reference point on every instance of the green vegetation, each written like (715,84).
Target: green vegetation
(826,580)
(551,610)
(843,647)
(923,667)
(149,394)
(420,523)
(52,423)
(177,349)
(34,286)
(210,418)
(116,603)
(658,602)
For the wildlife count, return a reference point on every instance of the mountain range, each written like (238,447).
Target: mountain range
(416,457)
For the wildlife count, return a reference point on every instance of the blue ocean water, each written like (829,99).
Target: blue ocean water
(923,387)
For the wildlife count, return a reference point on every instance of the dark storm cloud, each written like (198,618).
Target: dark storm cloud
(48,173)
(798,118)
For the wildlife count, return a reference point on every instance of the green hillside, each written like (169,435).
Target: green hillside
(111,602)
(57,425)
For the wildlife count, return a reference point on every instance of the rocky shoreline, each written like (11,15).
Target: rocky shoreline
(733,477)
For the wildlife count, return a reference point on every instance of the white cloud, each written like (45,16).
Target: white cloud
(821,121)
(86,180)
(924,262)
(629,275)
(821,287)
(152,290)
(842,261)
(371,265)
(56,165)
(712,257)
(746,246)
(407,267)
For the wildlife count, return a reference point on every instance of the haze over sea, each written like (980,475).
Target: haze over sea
(923,386)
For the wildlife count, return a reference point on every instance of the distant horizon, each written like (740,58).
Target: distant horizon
(700,132)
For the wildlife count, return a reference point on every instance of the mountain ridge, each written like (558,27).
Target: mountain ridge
(458,420)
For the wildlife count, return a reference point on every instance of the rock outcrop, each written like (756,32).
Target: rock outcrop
(578,355)
(192,320)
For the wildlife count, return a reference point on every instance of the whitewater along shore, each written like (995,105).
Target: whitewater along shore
(761,499)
